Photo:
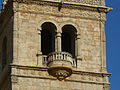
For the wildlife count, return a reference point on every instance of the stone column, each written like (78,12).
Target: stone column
(15,38)
(102,44)
(58,42)
(39,42)
(78,47)
(103,50)
(39,53)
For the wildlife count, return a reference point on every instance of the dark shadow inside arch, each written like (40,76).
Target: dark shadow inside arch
(68,39)
(48,38)
(4,53)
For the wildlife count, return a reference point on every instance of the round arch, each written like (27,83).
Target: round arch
(69,34)
(48,31)
(72,24)
(50,21)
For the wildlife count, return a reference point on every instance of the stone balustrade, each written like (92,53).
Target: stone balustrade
(44,60)
(64,56)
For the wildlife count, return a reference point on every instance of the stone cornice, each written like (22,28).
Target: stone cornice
(87,2)
(45,69)
(66,11)
(15,79)
(66,4)
(41,73)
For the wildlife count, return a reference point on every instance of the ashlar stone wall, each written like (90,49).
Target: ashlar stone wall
(90,30)
(29,71)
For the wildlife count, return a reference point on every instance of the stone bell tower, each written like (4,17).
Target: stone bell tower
(53,45)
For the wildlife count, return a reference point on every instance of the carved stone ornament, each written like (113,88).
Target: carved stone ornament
(14,79)
(60,72)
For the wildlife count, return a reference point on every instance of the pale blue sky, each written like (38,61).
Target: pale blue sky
(113,43)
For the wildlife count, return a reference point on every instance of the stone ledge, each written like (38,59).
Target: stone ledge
(45,69)
(92,73)
(41,72)
(66,80)
(93,2)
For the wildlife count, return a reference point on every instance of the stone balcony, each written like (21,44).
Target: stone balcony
(60,58)
(60,64)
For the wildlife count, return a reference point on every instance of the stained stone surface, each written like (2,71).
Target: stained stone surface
(25,70)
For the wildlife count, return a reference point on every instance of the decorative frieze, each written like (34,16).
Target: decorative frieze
(65,12)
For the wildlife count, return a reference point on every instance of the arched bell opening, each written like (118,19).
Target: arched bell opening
(68,39)
(4,53)
(60,62)
(48,38)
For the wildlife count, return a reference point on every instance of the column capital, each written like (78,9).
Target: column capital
(58,34)
(78,36)
(39,31)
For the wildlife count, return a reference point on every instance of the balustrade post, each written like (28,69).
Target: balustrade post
(60,56)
